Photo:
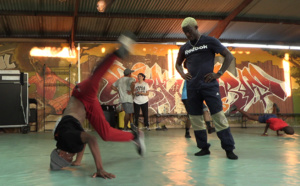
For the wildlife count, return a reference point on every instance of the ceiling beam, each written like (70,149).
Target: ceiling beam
(74,25)
(221,26)
(94,39)
(41,26)
(107,27)
(36,13)
(33,40)
(151,16)
(5,25)
(40,18)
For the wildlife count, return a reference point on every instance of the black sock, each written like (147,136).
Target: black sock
(187,130)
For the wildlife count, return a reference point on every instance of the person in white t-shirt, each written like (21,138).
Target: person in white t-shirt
(124,86)
(140,101)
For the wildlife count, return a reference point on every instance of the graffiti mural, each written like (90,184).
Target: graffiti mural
(159,95)
(252,85)
(6,63)
(49,84)
(256,83)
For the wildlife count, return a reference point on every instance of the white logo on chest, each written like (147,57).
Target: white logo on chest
(195,49)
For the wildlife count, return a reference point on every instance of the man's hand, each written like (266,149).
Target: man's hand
(278,134)
(264,134)
(74,163)
(129,92)
(210,77)
(187,76)
(103,174)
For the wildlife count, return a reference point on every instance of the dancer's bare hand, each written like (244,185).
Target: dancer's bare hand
(210,77)
(103,174)
(74,163)
(187,76)
(264,134)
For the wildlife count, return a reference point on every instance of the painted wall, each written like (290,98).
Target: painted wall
(254,83)
(16,56)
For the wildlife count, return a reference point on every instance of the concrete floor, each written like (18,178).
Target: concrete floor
(169,161)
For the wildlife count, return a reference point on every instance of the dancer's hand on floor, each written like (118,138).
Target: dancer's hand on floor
(103,174)
(264,134)
(74,163)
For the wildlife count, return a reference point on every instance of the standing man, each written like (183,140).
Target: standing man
(125,86)
(202,85)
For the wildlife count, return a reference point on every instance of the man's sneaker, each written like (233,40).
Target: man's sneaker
(148,129)
(127,39)
(164,127)
(138,140)
(202,152)
(231,155)
(211,130)
(187,135)
(232,108)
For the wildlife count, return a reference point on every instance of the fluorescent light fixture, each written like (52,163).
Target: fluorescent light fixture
(278,46)
(287,75)
(244,45)
(64,52)
(248,45)
(180,43)
(170,63)
(295,47)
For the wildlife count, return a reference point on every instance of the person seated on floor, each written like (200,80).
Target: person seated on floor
(271,120)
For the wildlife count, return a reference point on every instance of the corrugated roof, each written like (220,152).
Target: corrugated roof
(274,21)
(274,9)
(262,32)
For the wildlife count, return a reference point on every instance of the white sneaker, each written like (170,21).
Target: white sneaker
(139,140)
(127,40)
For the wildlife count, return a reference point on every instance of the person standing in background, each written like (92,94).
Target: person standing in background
(124,86)
(140,101)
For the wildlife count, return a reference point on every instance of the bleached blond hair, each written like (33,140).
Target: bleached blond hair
(189,21)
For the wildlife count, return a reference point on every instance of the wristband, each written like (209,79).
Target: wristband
(220,72)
